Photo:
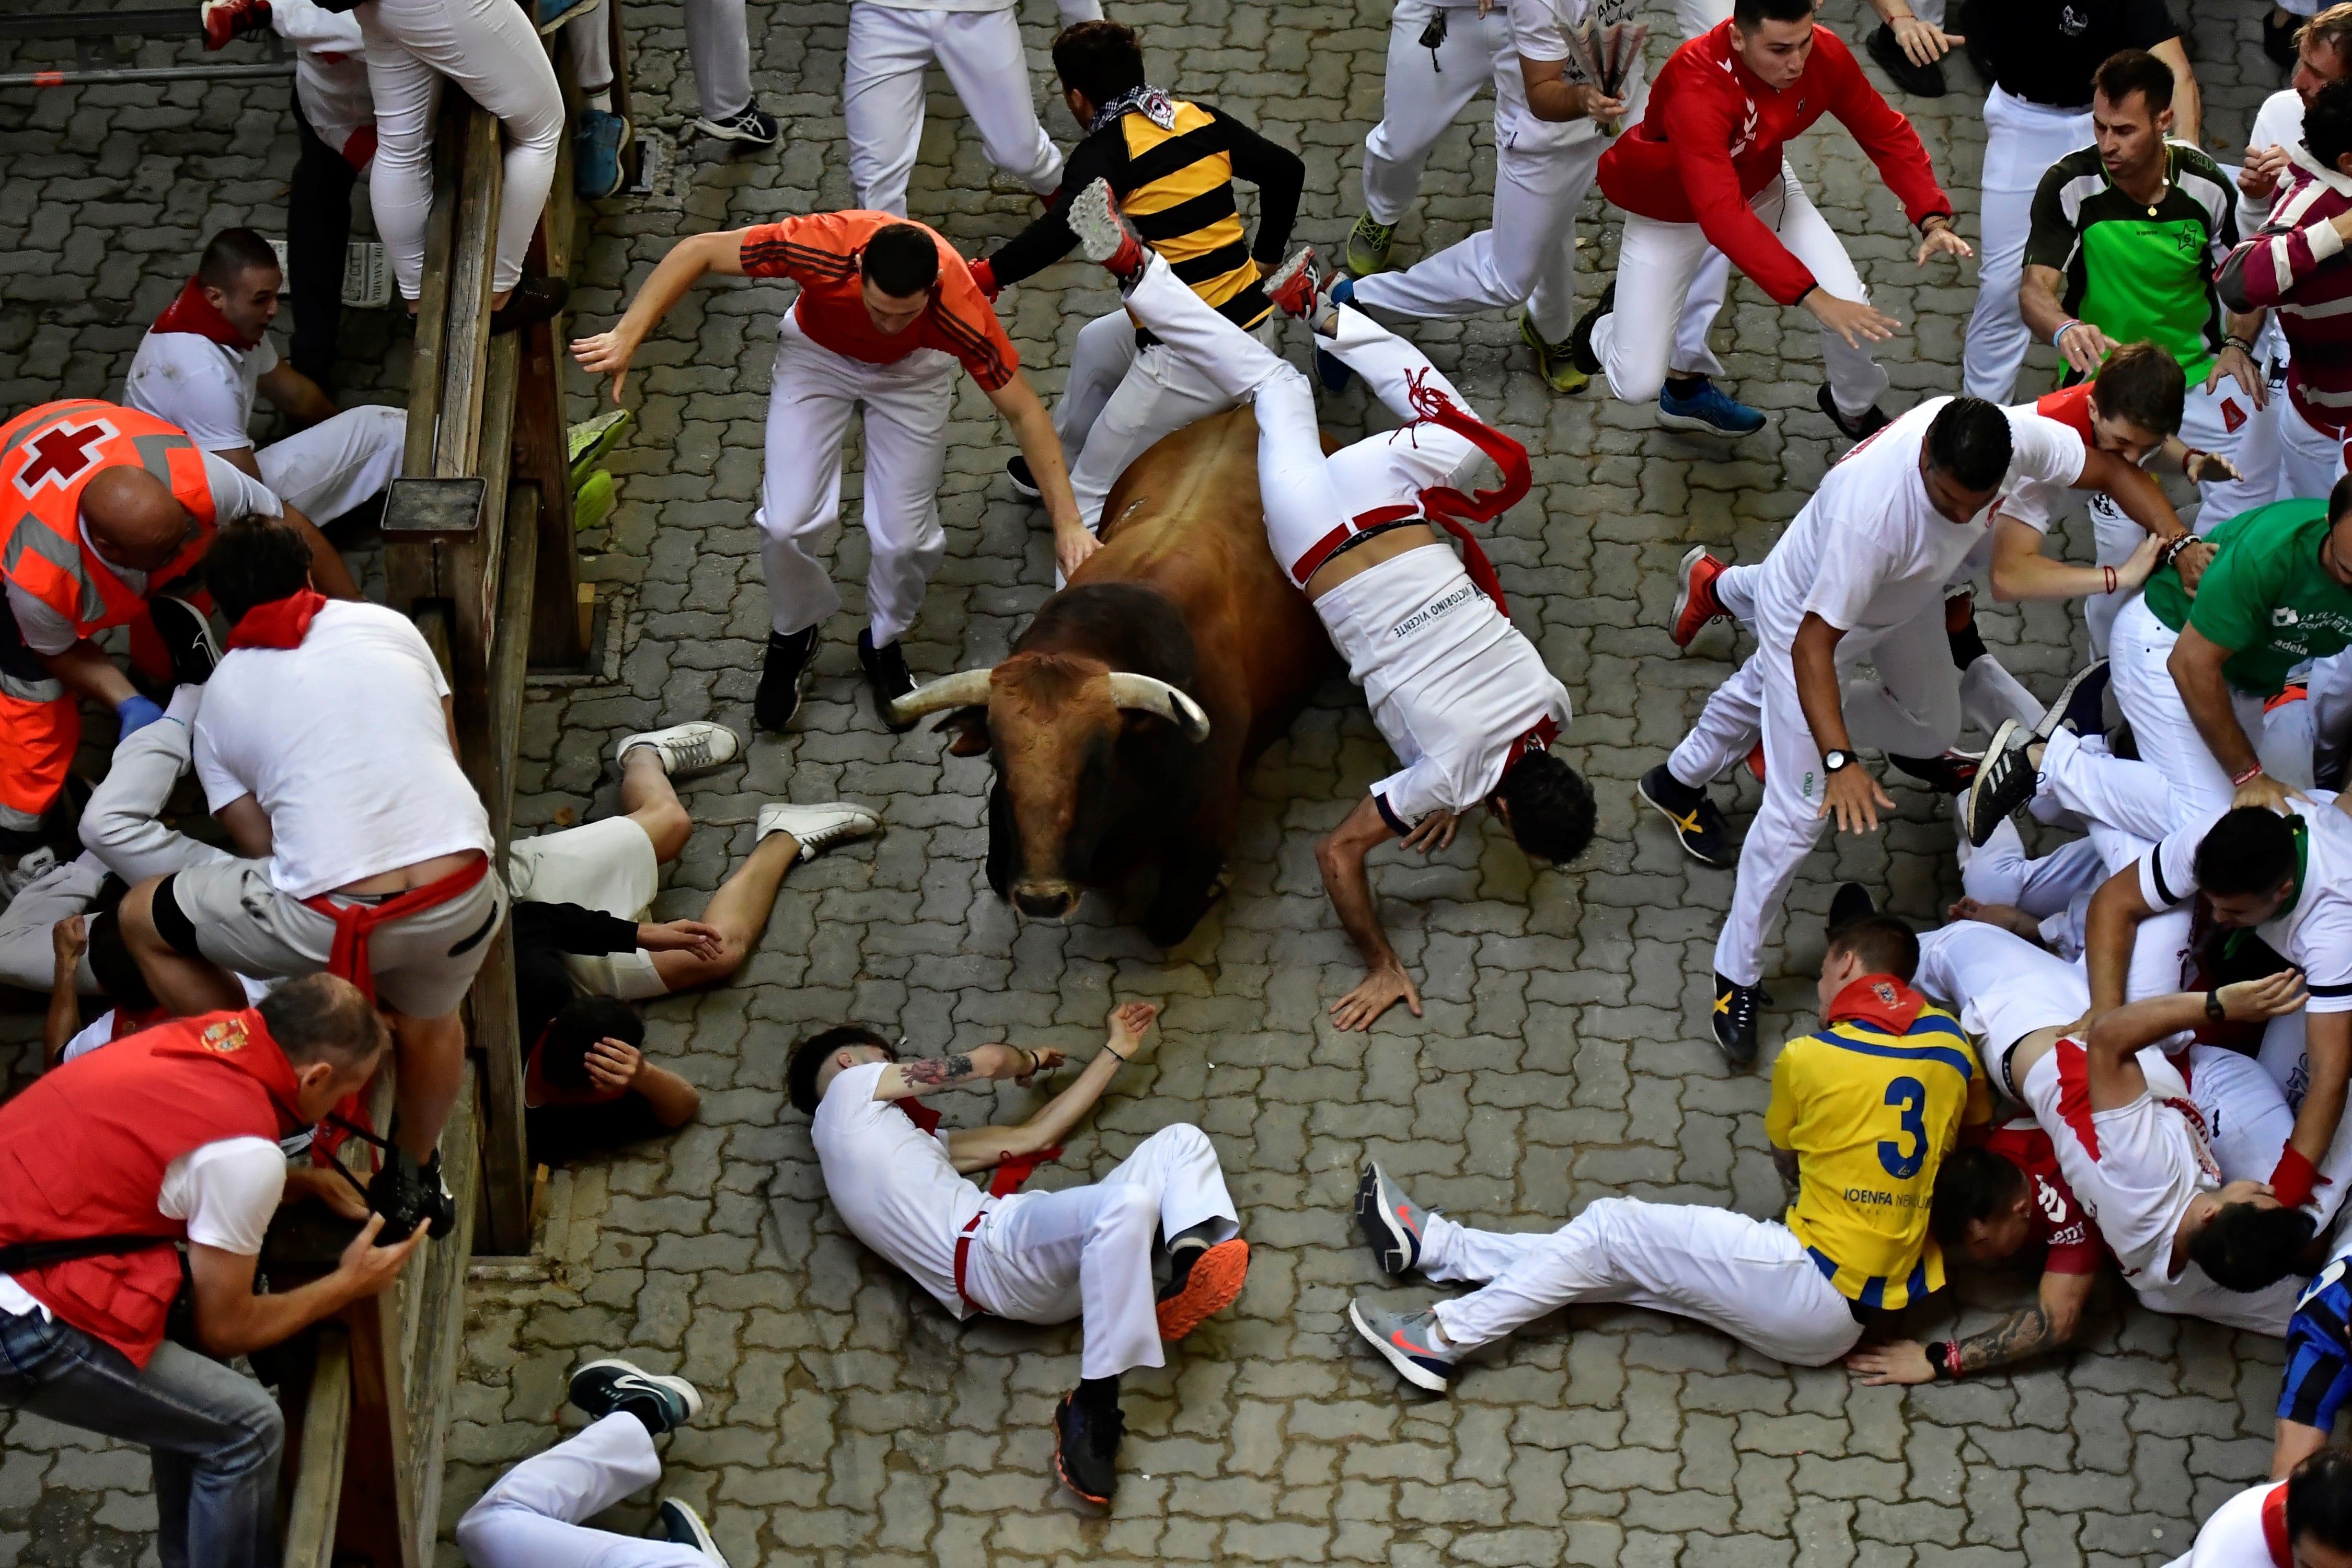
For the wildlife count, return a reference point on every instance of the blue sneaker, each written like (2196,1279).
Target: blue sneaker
(1713,412)
(1335,375)
(1409,1342)
(606,1387)
(553,13)
(598,140)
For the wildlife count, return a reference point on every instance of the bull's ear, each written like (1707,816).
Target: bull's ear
(970,727)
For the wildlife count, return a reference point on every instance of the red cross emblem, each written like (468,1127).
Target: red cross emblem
(58,456)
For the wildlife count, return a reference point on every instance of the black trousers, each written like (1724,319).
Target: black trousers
(318,229)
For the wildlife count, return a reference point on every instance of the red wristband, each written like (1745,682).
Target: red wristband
(2254,773)
(2111,577)
(2292,1181)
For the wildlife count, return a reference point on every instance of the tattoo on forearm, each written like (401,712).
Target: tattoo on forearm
(931,1072)
(2023,1333)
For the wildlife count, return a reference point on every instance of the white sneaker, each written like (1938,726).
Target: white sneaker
(39,861)
(691,747)
(818,827)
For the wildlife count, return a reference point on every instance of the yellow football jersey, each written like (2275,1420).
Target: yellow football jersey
(1871,1116)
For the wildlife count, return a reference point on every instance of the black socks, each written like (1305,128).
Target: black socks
(1098,1395)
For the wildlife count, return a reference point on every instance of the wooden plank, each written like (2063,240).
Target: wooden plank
(409,565)
(434,1315)
(473,569)
(543,455)
(376,1522)
(326,1434)
(473,260)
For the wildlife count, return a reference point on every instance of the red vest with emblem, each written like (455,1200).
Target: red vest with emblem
(47,457)
(84,1149)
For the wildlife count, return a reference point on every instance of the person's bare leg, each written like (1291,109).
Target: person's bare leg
(649,800)
(185,986)
(431,1057)
(740,911)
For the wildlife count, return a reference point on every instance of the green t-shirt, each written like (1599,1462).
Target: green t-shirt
(2266,596)
(2136,271)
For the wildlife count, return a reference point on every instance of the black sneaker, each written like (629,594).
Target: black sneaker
(534,300)
(1580,337)
(1860,430)
(887,673)
(785,679)
(1698,824)
(440,1204)
(1850,903)
(2081,706)
(188,634)
(753,125)
(1024,484)
(1950,774)
(2005,780)
(1736,1010)
(603,1388)
(679,1525)
(1085,1446)
(1919,81)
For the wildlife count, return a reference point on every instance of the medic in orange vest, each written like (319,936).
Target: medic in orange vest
(99,505)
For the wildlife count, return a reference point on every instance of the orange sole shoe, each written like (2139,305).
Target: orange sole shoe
(1216,1279)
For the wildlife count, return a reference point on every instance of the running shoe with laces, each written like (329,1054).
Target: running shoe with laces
(606,1387)
(752,125)
(1694,601)
(1208,1286)
(818,829)
(1580,337)
(691,747)
(677,1524)
(1105,237)
(225,20)
(598,140)
(1554,362)
(1698,823)
(1293,286)
(1391,1222)
(532,300)
(886,675)
(783,678)
(1870,423)
(1950,774)
(1367,247)
(186,633)
(2081,706)
(1709,411)
(1737,1010)
(2005,780)
(1409,1340)
(1085,1448)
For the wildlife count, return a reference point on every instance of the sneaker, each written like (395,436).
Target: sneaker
(2081,706)
(1736,1009)
(1554,363)
(1105,237)
(1409,1342)
(223,20)
(2005,780)
(2279,29)
(598,140)
(679,1525)
(1215,1279)
(31,866)
(1085,1445)
(553,13)
(1699,826)
(1580,337)
(603,1388)
(818,829)
(1850,903)
(1391,1222)
(534,301)
(1367,247)
(1024,483)
(755,126)
(887,673)
(440,1203)
(1919,81)
(1694,601)
(1862,429)
(783,680)
(1293,285)
(692,747)
(188,635)
(1950,774)
(594,501)
(591,441)
(1709,411)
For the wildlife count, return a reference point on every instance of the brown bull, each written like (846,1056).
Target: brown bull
(1124,722)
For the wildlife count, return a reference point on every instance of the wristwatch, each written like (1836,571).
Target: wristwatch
(2213,1008)
(1833,760)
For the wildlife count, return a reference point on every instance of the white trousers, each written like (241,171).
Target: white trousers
(2054,889)
(1420,99)
(1657,263)
(2022,141)
(2310,459)
(800,493)
(336,464)
(489,49)
(2169,741)
(532,1518)
(882,94)
(2001,985)
(717,40)
(1085,1252)
(2225,420)
(1748,1278)
(1120,399)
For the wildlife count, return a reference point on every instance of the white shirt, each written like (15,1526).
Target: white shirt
(1541,29)
(2134,1169)
(236,495)
(2316,934)
(1451,683)
(342,742)
(1869,553)
(2278,123)
(2233,1537)
(893,1183)
(226,1191)
(203,387)
(331,79)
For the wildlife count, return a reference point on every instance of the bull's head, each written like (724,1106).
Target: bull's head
(1056,723)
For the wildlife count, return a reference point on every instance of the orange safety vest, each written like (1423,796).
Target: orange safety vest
(46,457)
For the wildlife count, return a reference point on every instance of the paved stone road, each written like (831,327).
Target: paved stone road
(1563,1053)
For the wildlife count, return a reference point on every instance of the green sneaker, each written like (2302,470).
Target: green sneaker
(593,502)
(589,440)
(1554,362)
(1367,247)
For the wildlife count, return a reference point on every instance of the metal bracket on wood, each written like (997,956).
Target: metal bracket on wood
(435,506)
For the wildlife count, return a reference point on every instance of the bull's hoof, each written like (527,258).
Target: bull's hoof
(1170,920)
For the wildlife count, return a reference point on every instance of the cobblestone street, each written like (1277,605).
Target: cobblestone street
(1564,1053)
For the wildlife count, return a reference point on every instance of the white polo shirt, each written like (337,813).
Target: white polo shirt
(203,387)
(2134,1169)
(893,1183)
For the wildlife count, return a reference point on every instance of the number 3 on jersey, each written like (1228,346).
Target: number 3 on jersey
(1910,1097)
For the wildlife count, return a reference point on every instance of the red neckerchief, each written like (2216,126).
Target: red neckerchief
(1449,508)
(190,311)
(2274,1527)
(1011,1171)
(1539,738)
(1880,1002)
(281,623)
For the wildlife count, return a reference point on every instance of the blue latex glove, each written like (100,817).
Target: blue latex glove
(136,712)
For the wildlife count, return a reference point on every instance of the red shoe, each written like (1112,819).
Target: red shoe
(1755,762)
(1293,285)
(1105,236)
(226,19)
(1694,601)
(1216,1279)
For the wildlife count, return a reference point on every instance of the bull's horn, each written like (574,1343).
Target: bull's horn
(964,689)
(1159,697)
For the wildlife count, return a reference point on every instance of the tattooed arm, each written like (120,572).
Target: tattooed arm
(928,1075)
(2049,1324)
(979,1148)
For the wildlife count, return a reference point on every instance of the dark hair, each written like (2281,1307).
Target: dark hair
(254,562)
(1099,59)
(1970,440)
(1551,807)
(1750,14)
(2327,123)
(902,259)
(2249,851)
(2319,1498)
(233,253)
(323,1018)
(1885,944)
(808,1058)
(1972,1184)
(110,962)
(2127,71)
(2143,383)
(2246,1247)
(578,1024)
